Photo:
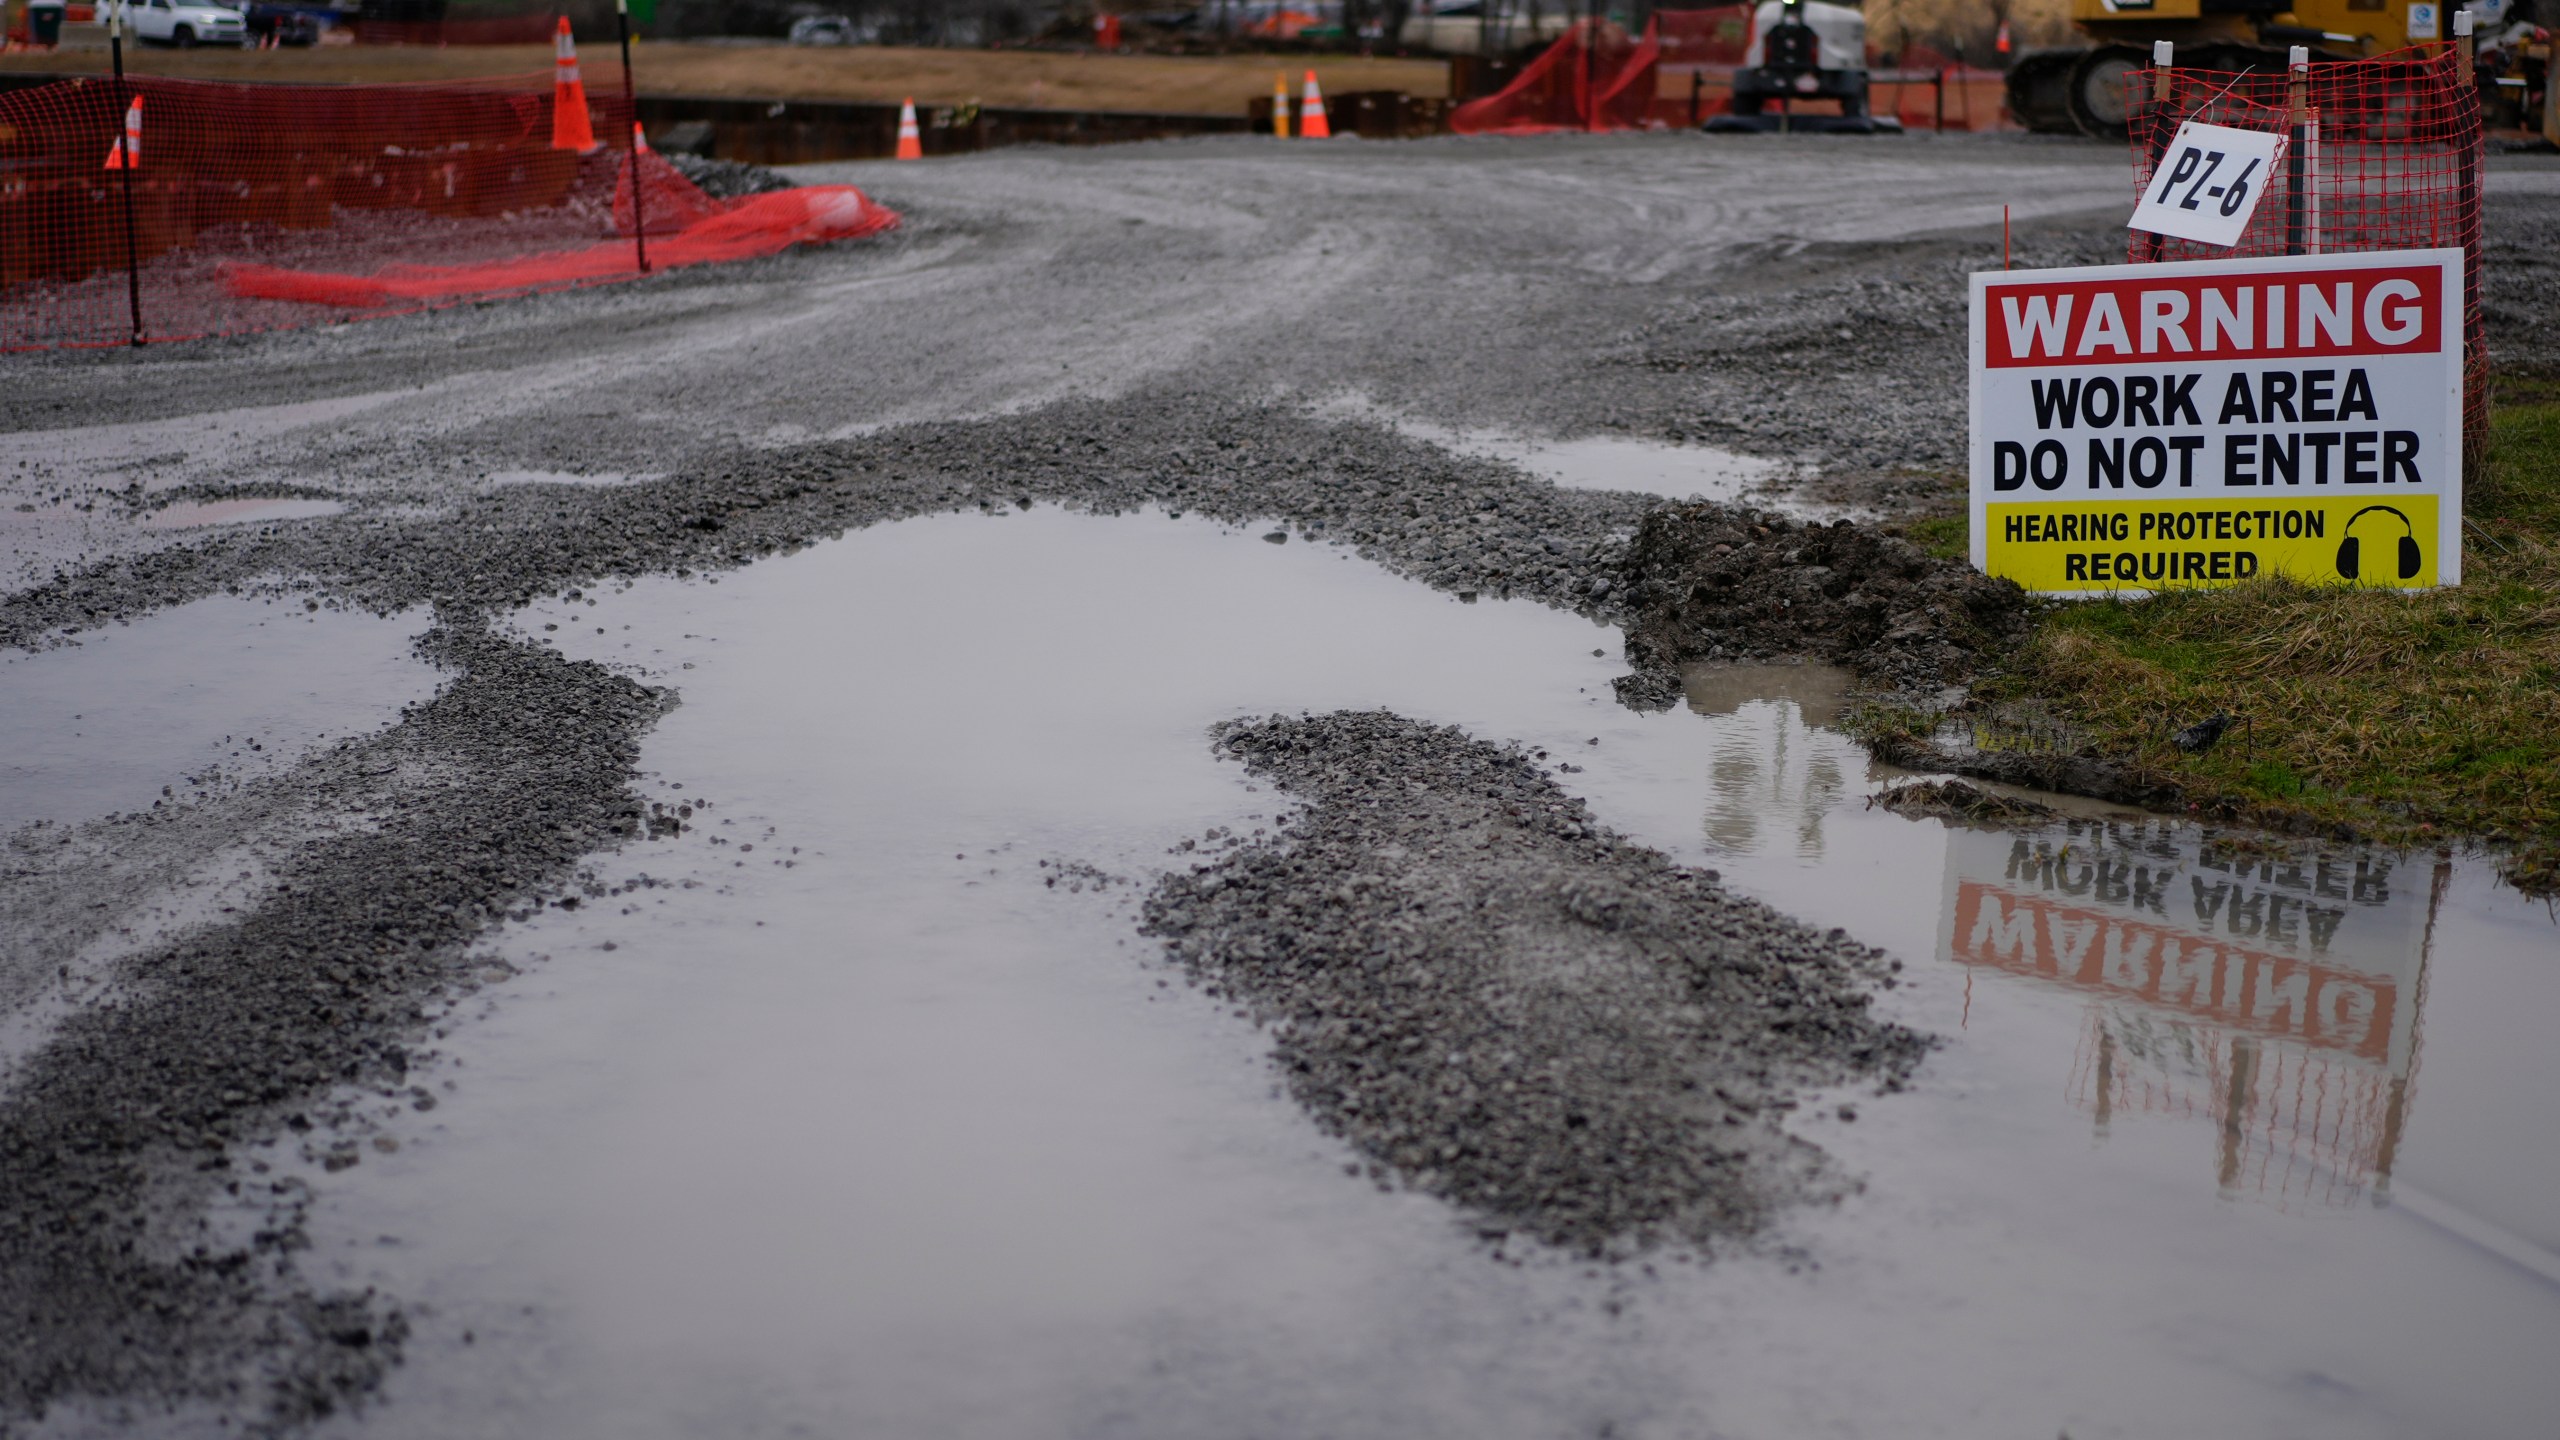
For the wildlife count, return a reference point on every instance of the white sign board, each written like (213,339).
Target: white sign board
(2149,427)
(2208,183)
(2423,22)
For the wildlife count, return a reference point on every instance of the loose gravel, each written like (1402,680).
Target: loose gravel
(729,179)
(1504,1004)
(140,1113)
(1180,298)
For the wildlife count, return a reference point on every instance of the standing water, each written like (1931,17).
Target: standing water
(862,1109)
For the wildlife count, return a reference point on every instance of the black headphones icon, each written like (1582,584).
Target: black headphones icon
(2350,560)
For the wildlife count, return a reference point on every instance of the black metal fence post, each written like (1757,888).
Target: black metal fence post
(129,162)
(639,210)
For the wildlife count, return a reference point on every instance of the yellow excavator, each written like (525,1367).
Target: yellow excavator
(2079,89)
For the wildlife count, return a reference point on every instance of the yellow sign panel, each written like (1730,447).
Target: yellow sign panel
(2100,545)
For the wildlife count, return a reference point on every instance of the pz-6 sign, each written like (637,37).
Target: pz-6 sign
(2147,427)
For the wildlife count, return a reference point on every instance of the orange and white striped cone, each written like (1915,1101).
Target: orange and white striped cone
(910,139)
(639,139)
(571,129)
(1311,122)
(127,151)
(1280,104)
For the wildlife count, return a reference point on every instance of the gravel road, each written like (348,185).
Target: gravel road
(1103,329)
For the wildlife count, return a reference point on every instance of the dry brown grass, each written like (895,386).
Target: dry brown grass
(1201,85)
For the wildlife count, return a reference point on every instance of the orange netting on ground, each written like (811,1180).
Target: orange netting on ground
(2382,154)
(257,207)
(1680,72)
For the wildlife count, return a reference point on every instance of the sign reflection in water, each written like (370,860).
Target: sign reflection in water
(2274,999)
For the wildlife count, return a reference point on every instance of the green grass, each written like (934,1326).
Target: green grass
(2401,715)
(1948,537)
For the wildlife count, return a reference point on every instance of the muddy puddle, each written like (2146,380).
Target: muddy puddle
(862,1109)
(192,699)
(1616,462)
(192,515)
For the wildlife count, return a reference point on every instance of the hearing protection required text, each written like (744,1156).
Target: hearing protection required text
(2143,427)
(2099,545)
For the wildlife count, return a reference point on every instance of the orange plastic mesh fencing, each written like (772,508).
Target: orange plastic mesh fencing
(1700,50)
(1681,73)
(1595,77)
(2382,154)
(258,207)
(2296,1126)
(1703,37)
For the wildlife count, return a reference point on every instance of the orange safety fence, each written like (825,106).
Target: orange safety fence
(260,207)
(1680,73)
(1594,77)
(2382,154)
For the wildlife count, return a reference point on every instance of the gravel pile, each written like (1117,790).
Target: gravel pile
(1502,1003)
(1464,525)
(1709,583)
(1850,356)
(142,1110)
(729,179)
(1853,355)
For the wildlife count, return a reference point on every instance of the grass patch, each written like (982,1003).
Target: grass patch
(1948,537)
(2401,715)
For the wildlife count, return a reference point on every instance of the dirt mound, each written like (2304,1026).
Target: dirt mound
(1512,1008)
(1956,800)
(1710,583)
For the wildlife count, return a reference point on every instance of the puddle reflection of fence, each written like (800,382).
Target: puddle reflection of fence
(1773,766)
(2275,1001)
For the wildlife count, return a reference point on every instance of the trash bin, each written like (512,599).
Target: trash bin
(44,24)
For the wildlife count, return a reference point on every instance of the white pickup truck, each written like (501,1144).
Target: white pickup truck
(186,23)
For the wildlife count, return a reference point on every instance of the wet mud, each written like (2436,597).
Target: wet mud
(1712,583)
(1503,1003)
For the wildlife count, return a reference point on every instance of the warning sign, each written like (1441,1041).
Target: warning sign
(2141,427)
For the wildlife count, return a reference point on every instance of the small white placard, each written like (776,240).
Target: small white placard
(2209,183)
(2423,22)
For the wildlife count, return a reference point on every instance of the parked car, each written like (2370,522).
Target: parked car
(187,24)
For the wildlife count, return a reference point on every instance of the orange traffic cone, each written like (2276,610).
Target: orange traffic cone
(128,151)
(1311,122)
(910,139)
(1280,104)
(570,127)
(639,139)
